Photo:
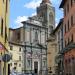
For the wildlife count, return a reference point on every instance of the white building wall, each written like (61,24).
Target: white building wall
(15,61)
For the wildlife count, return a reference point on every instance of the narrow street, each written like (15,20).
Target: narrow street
(37,37)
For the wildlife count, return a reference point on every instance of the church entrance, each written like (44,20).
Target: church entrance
(36,67)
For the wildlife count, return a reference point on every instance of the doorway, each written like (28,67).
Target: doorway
(36,67)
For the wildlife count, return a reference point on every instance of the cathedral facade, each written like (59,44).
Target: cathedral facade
(37,30)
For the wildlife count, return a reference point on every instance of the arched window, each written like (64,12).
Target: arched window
(51,18)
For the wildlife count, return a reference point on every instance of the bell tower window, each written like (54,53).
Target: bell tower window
(51,18)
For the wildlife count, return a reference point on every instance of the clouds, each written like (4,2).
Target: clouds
(29,9)
(33,14)
(19,20)
(33,4)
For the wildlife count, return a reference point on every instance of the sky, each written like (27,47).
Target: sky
(20,10)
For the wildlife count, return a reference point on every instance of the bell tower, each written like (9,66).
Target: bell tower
(47,12)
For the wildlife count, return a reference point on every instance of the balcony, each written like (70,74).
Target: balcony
(67,48)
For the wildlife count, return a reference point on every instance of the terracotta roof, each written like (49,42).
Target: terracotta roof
(62,3)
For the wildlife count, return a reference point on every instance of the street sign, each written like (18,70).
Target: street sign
(6,57)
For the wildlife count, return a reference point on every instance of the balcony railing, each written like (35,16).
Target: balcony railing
(67,48)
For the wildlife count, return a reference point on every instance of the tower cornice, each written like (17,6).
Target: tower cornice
(45,1)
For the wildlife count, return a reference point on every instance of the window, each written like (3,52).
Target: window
(67,7)
(11,47)
(20,58)
(6,5)
(5,33)
(51,18)
(36,36)
(10,64)
(65,28)
(71,2)
(44,63)
(65,43)
(51,29)
(68,24)
(68,41)
(18,36)
(71,20)
(29,62)
(19,65)
(65,11)
(19,49)
(15,63)
(72,38)
(2,27)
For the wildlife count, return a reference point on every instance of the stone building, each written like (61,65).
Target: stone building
(35,36)
(59,41)
(47,12)
(51,54)
(16,50)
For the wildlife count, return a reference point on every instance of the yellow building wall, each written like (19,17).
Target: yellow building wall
(5,17)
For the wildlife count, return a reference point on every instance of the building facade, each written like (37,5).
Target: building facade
(69,36)
(51,54)
(59,40)
(16,50)
(4,22)
(38,34)
(16,63)
(35,47)
(55,47)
